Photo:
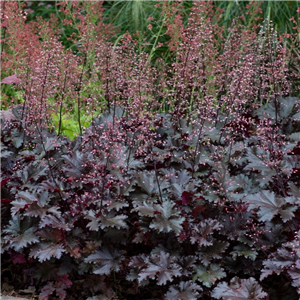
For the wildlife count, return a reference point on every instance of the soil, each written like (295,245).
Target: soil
(8,292)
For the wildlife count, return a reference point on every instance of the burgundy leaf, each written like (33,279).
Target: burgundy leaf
(64,280)
(4,181)
(18,258)
(11,79)
(186,197)
(5,201)
(47,290)
(197,210)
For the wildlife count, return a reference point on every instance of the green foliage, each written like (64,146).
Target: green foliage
(42,9)
(67,124)
(277,12)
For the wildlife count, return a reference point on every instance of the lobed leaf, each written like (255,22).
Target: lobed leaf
(239,289)
(270,205)
(105,261)
(208,275)
(185,290)
(47,250)
(162,266)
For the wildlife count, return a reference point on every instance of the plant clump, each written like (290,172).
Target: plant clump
(179,212)
(127,174)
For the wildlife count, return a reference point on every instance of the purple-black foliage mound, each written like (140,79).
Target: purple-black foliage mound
(164,208)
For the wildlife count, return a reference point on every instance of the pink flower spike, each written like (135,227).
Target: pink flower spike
(11,79)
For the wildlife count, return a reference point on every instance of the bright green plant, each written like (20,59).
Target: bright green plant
(279,12)
(67,124)
(42,9)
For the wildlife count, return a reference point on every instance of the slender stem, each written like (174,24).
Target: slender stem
(197,146)
(4,33)
(48,162)
(78,93)
(44,87)
(62,99)
(156,176)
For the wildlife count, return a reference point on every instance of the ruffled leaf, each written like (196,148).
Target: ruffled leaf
(161,266)
(48,250)
(202,232)
(167,218)
(185,290)
(208,276)
(105,221)
(20,233)
(239,289)
(105,261)
(269,205)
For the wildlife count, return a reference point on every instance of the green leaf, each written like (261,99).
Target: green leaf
(244,251)
(208,276)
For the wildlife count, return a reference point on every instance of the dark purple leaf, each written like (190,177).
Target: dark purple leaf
(186,198)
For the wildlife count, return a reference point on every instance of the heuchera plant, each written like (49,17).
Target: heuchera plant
(152,216)
(185,186)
